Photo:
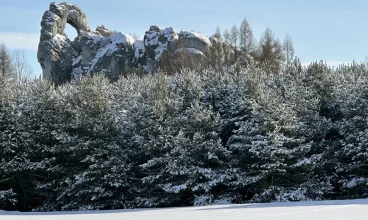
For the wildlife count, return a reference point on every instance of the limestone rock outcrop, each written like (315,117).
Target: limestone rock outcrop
(104,31)
(113,53)
(55,51)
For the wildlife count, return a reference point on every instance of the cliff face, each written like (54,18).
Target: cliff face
(104,51)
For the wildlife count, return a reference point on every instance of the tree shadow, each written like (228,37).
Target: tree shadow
(191,208)
(286,204)
(91,212)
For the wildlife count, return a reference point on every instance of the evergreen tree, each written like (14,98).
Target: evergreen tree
(352,154)
(30,153)
(8,140)
(93,162)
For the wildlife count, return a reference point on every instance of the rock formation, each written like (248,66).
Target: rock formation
(104,51)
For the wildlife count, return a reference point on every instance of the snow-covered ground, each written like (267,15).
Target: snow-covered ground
(325,210)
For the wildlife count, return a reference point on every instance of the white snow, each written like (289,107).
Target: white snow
(58,39)
(356,181)
(174,189)
(77,60)
(139,48)
(170,34)
(112,45)
(324,210)
(189,50)
(50,18)
(190,34)
(152,39)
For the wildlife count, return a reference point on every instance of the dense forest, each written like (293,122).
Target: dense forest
(192,138)
(262,130)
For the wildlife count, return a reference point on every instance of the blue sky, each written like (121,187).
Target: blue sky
(334,31)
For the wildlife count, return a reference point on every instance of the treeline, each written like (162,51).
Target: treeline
(268,52)
(237,48)
(193,138)
(13,65)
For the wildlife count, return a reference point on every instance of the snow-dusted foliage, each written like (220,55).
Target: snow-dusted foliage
(194,138)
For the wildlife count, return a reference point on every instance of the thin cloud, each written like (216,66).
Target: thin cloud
(19,40)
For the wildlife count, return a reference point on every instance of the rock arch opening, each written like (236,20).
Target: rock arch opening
(70,31)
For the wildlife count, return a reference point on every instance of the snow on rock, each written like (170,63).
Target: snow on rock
(195,35)
(140,55)
(190,51)
(139,49)
(195,40)
(321,210)
(156,41)
(103,31)
(114,43)
(55,51)
(77,60)
(104,51)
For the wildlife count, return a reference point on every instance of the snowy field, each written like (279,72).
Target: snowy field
(325,210)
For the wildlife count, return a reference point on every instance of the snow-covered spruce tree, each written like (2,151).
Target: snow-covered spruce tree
(29,149)
(134,106)
(149,108)
(310,95)
(319,111)
(228,95)
(8,198)
(193,138)
(191,169)
(352,153)
(179,151)
(91,161)
(270,148)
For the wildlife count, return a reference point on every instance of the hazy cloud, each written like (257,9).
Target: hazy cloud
(18,40)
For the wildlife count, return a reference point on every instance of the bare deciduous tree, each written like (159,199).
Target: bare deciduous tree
(288,49)
(226,36)
(246,38)
(234,38)
(20,67)
(217,33)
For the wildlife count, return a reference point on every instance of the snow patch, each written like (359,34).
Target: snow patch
(189,50)
(50,17)
(77,60)
(57,39)
(160,40)
(202,37)
(139,49)
(112,45)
